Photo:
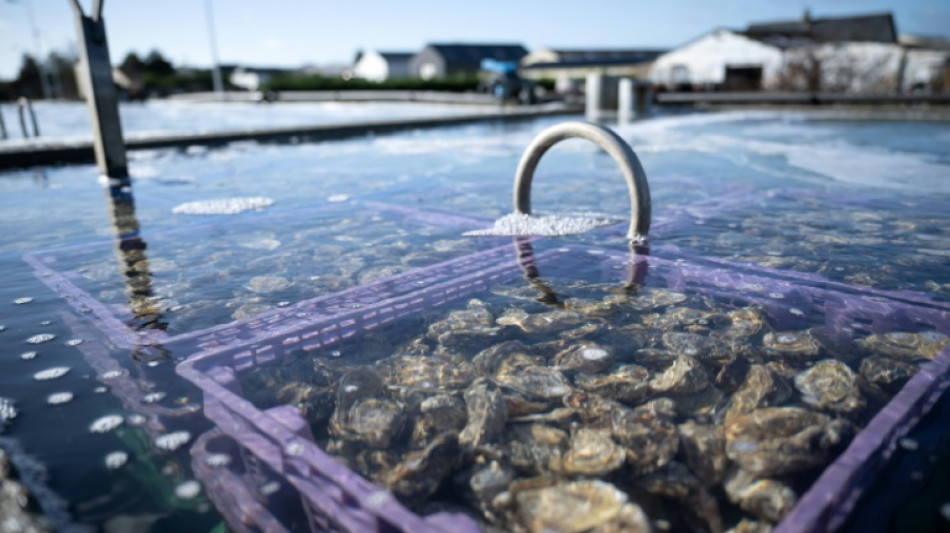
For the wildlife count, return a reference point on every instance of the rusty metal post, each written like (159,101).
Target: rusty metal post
(101,93)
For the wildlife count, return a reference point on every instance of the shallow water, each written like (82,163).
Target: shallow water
(860,203)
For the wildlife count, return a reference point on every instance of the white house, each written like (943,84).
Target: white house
(720,58)
(381,66)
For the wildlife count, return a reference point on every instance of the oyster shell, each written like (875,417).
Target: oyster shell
(569,507)
(745,322)
(376,422)
(592,453)
(685,376)
(421,472)
(905,346)
(701,347)
(483,483)
(705,450)
(473,325)
(792,344)
(765,498)
(627,384)
(486,413)
(761,388)
(889,374)
(830,386)
(650,438)
(535,449)
(426,373)
(437,414)
(780,440)
(651,298)
(584,357)
(548,322)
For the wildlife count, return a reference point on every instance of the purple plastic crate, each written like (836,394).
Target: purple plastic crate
(113,319)
(331,491)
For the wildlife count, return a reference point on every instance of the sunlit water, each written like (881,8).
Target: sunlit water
(860,203)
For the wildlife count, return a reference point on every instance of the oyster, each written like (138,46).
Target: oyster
(745,322)
(608,305)
(675,481)
(751,526)
(684,376)
(437,414)
(571,507)
(830,386)
(584,357)
(684,318)
(627,384)
(486,415)
(267,284)
(592,453)
(474,324)
(548,322)
(532,387)
(376,422)
(650,437)
(761,388)
(793,344)
(906,346)
(732,374)
(421,472)
(702,347)
(889,374)
(651,298)
(780,440)
(705,450)
(426,373)
(535,449)
(315,403)
(483,483)
(765,498)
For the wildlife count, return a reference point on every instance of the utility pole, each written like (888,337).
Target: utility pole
(213,42)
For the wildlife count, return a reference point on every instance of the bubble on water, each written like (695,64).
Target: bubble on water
(51,373)
(153,397)
(337,198)
(909,444)
(218,460)
(377,499)
(59,398)
(3,328)
(945,511)
(112,374)
(545,225)
(7,410)
(188,490)
(172,441)
(776,295)
(100,390)
(283,304)
(269,488)
(152,364)
(295,449)
(74,342)
(135,420)
(116,460)
(46,322)
(21,301)
(336,353)
(106,424)
(41,338)
(27,356)
(223,206)
(594,354)
(796,311)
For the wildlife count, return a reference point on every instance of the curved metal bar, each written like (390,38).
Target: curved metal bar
(619,150)
(77,9)
(97,10)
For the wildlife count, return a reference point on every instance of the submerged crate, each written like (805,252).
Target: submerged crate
(190,271)
(336,497)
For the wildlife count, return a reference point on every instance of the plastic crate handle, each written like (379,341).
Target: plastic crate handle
(619,150)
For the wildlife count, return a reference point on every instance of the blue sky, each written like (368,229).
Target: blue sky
(294,32)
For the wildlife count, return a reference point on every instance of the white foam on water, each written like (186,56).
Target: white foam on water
(515,224)
(172,441)
(223,206)
(51,373)
(7,410)
(21,301)
(188,490)
(41,338)
(106,424)
(59,398)
(116,460)
(338,198)
(27,356)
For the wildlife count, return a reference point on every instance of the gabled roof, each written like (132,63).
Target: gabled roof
(596,58)
(862,28)
(460,53)
(396,56)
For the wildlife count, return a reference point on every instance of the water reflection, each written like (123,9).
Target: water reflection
(133,264)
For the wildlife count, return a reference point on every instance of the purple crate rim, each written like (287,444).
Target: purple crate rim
(825,504)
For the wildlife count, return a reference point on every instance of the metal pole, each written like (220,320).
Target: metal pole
(3,127)
(213,41)
(24,105)
(101,94)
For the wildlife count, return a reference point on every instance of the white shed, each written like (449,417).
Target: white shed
(721,58)
(381,66)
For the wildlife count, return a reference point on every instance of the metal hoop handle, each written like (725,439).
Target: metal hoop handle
(619,150)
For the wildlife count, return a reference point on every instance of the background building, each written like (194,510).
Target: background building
(441,60)
(380,66)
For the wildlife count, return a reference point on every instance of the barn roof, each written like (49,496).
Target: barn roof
(472,54)
(861,28)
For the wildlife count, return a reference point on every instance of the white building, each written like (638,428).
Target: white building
(720,58)
(381,66)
